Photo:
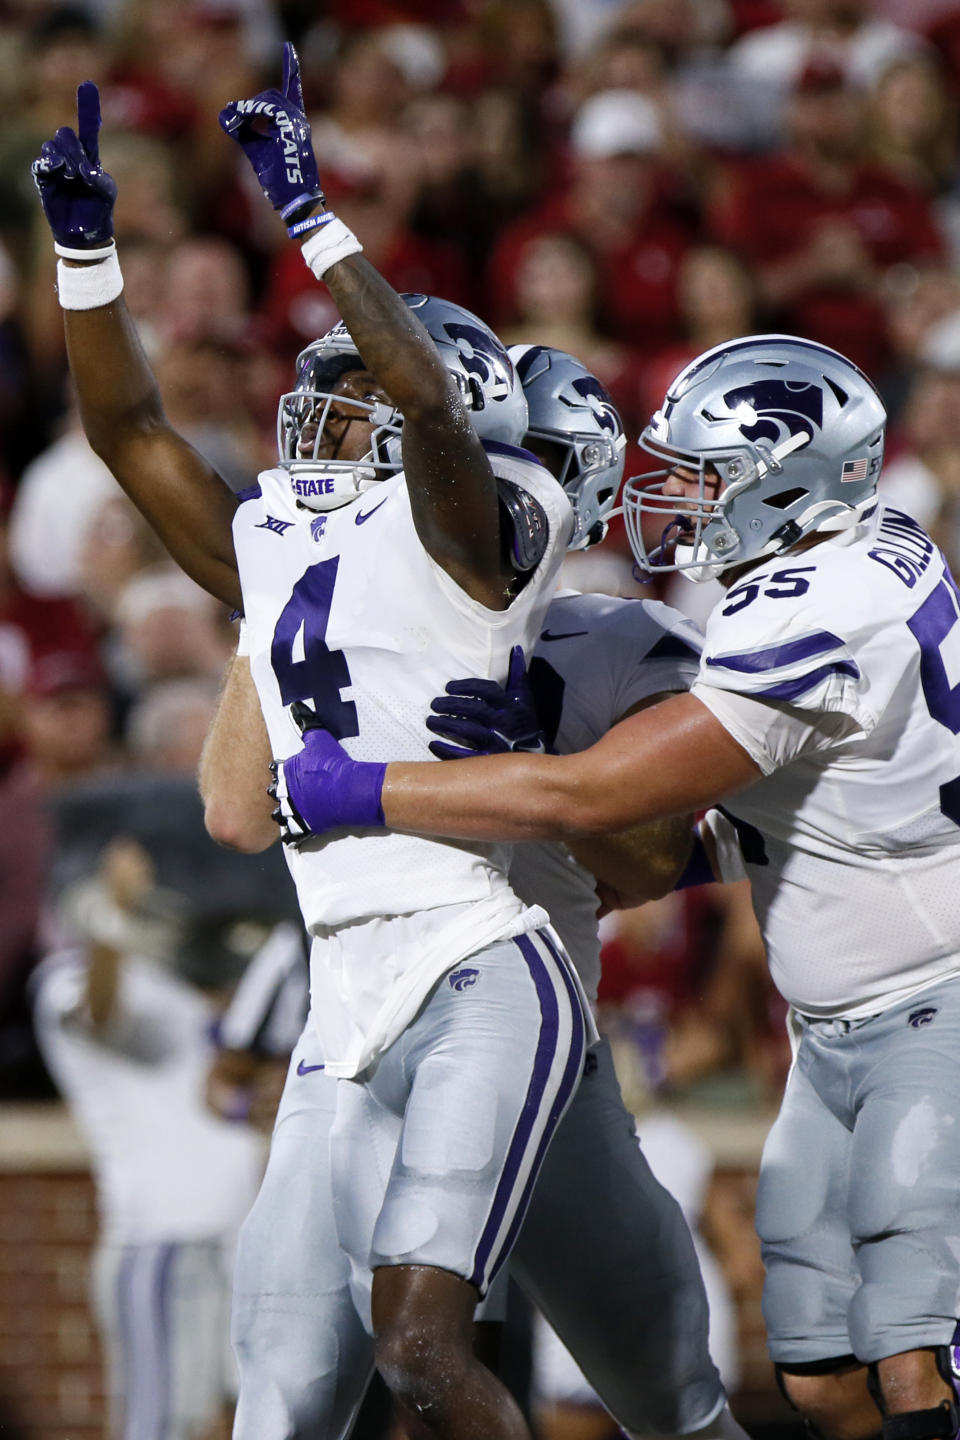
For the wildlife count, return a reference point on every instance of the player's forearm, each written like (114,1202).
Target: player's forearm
(394,345)
(505,797)
(667,761)
(234,767)
(180,495)
(115,385)
(642,863)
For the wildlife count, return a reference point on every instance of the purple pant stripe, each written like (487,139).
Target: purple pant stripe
(143,1317)
(530,1113)
(124,1314)
(164,1354)
(571,1075)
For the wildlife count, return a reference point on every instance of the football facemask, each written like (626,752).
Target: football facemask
(310,418)
(775,436)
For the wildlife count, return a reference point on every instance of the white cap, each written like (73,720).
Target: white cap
(616,122)
(940,347)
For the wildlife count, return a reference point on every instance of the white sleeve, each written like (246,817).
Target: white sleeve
(773,734)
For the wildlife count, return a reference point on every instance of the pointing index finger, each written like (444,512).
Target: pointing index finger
(292,88)
(88,119)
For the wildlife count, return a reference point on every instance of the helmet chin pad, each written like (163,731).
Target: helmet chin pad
(319,489)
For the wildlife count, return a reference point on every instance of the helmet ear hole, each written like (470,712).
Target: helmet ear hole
(785,498)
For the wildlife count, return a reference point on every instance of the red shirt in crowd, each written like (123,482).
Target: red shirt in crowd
(769,213)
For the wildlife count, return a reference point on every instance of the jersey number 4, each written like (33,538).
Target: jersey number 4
(931,625)
(305,666)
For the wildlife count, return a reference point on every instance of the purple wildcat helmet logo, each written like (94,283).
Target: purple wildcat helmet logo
(782,407)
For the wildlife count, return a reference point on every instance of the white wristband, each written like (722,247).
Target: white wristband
(87,287)
(328,244)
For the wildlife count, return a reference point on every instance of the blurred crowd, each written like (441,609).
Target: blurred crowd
(629,180)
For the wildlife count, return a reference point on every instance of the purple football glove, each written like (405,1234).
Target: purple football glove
(76,193)
(274,134)
(321,788)
(483,718)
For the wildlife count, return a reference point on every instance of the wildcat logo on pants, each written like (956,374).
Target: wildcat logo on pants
(464,979)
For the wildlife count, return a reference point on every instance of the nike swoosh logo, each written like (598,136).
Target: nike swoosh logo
(305,1069)
(359,519)
(565,635)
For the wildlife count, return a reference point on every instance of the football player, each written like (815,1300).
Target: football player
(402,537)
(825,716)
(628,1298)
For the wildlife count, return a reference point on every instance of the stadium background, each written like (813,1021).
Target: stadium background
(629,181)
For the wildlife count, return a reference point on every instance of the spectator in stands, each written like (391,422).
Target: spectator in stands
(821,225)
(167,628)
(766,64)
(614,206)
(912,133)
(49,520)
(556,304)
(912,123)
(68,719)
(166,727)
(717,298)
(925,477)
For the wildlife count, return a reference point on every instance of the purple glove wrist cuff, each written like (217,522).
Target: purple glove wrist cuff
(363,805)
(308,198)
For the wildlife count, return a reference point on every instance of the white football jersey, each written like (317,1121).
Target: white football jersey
(597,657)
(346,611)
(838,670)
(167,1169)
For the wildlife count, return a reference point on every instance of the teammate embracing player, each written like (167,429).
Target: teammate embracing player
(825,716)
(628,1298)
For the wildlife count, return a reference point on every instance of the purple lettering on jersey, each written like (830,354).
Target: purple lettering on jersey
(323,486)
(905,549)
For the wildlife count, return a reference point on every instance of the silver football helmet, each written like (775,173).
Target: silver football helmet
(481,369)
(788,433)
(571,409)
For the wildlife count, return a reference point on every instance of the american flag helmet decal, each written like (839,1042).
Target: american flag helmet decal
(854,470)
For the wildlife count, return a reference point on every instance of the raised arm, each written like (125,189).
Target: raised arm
(452,489)
(182,497)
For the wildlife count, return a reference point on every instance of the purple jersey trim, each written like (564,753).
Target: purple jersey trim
(790,689)
(752,662)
